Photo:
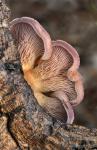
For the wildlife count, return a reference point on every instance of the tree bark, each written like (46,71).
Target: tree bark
(23,123)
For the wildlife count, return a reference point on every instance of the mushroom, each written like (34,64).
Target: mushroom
(50,68)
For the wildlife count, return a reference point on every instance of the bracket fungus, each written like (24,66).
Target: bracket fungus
(50,68)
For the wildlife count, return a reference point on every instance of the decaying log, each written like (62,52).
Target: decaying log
(23,123)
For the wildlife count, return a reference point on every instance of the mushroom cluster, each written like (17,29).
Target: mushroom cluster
(50,68)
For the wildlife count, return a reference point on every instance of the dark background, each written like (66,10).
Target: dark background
(74,21)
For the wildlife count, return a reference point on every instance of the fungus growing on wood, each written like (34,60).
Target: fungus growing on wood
(50,68)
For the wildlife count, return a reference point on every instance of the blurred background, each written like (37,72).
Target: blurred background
(74,21)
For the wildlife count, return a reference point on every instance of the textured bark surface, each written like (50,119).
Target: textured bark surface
(23,123)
